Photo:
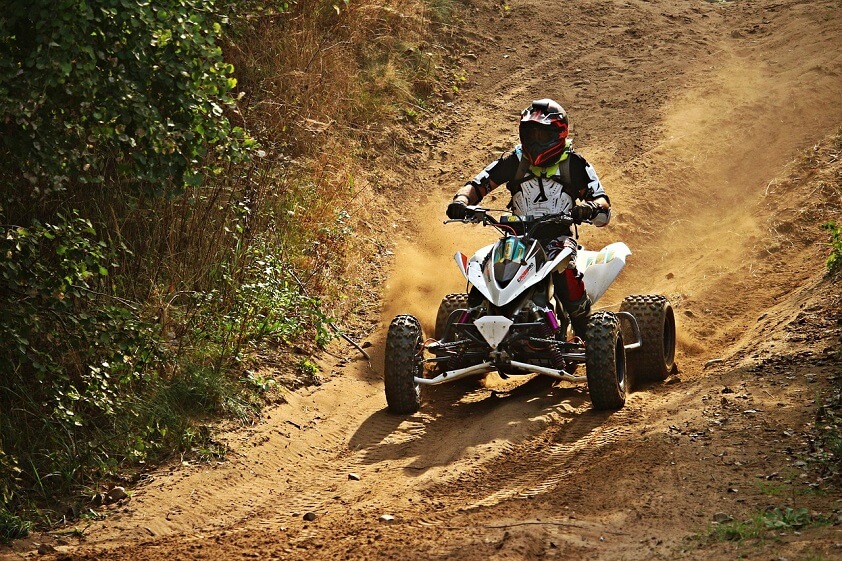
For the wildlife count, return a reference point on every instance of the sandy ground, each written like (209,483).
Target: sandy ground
(715,129)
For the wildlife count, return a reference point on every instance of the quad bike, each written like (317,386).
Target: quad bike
(510,321)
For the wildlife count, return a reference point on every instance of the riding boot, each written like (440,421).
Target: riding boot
(579,311)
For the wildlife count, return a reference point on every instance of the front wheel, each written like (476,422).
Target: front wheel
(606,361)
(655,358)
(403,362)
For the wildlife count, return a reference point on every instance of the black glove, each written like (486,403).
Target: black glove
(457,210)
(584,211)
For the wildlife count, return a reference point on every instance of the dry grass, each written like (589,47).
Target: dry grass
(327,95)
(313,73)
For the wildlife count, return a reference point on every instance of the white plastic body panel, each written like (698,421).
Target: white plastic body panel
(600,268)
(526,276)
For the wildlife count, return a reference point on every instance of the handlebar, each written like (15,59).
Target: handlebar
(479,215)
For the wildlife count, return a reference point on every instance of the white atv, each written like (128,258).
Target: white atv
(510,321)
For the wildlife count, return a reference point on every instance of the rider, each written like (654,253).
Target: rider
(545,176)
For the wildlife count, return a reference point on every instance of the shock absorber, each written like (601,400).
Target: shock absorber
(547,331)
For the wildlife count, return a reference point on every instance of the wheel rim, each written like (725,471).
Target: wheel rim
(418,366)
(669,338)
(620,360)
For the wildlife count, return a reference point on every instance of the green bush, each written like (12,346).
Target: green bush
(112,90)
(57,306)
(70,356)
(834,260)
(764,524)
(12,526)
(130,323)
(89,387)
(254,299)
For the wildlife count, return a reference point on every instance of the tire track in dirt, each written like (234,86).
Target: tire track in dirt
(381,450)
(537,465)
(386,448)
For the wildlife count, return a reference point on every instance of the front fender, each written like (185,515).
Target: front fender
(461,262)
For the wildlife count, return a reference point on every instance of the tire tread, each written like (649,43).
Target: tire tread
(449,304)
(403,394)
(602,365)
(654,315)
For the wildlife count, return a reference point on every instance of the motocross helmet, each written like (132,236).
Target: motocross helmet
(543,132)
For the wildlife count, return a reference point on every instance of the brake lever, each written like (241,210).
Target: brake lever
(473,219)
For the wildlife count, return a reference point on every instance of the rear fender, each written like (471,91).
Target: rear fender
(600,268)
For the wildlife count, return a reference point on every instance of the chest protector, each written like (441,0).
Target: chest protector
(540,191)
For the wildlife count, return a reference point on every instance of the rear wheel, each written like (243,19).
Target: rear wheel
(606,361)
(655,359)
(449,304)
(402,364)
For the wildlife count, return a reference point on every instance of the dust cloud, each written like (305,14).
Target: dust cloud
(425,270)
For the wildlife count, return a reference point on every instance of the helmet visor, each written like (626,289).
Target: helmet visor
(538,135)
(542,143)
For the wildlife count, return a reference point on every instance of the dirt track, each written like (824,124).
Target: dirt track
(695,114)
